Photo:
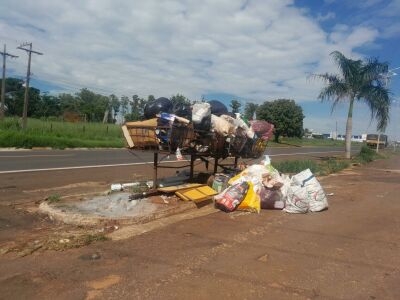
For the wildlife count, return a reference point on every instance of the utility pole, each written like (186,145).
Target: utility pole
(28,75)
(336,131)
(3,83)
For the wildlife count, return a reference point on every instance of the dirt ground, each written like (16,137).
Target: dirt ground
(350,251)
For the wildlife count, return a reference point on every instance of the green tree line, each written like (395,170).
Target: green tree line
(86,104)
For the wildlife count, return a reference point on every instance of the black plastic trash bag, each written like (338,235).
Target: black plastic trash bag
(183,110)
(218,108)
(157,106)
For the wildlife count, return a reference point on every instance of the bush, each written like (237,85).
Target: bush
(296,166)
(334,166)
(367,155)
(10,124)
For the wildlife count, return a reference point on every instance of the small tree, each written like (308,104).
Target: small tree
(124,105)
(115,105)
(179,99)
(250,110)
(235,105)
(358,81)
(286,116)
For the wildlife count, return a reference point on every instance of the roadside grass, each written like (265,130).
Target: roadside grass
(296,166)
(297,142)
(367,155)
(74,241)
(53,198)
(57,134)
(328,166)
(319,168)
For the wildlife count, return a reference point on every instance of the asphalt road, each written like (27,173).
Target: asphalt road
(45,160)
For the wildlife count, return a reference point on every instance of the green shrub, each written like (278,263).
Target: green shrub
(334,166)
(367,155)
(296,166)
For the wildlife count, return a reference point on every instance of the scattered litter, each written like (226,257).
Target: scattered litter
(64,241)
(198,194)
(231,198)
(330,194)
(117,187)
(220,182)
(164,198)
(173,189)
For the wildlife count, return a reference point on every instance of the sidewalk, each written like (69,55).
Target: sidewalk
(351,251)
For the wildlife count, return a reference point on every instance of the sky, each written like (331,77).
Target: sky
(251,50)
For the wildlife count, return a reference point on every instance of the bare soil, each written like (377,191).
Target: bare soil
(350,251)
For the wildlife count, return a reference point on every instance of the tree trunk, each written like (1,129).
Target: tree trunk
(105,117)
(349,127)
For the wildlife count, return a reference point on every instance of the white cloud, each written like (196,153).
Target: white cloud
(328,16)
(162,47)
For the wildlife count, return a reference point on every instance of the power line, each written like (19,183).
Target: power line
(28,75)
(3,83)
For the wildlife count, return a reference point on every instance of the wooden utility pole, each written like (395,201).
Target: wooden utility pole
(3,83)
(28,75)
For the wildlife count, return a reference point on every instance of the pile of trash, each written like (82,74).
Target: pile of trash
(261,186)
(205,127)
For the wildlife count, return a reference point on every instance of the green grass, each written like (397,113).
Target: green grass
(332,165)
(285,141)
(367,155)
(57,134)
(54,198)
(329,166)
(296,166)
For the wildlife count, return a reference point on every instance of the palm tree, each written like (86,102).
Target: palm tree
(358,81)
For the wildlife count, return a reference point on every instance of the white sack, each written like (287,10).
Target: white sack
(200,111)
(221,126)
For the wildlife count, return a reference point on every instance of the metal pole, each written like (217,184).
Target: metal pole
(377,145)
(192,159)
(216,164)
(336,134)
(26,98)
(236,162)
(3,84)
(155,168)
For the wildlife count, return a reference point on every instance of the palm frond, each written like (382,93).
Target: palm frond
(378,100)
(334,91)
(326,77)
(374,70)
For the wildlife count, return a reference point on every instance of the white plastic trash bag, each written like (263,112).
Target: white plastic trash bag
(296,200)
(315,193)
(200,111)
(222,126)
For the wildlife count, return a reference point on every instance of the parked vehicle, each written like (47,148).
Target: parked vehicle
(372,140)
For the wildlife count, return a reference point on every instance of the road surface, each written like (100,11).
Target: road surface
(45,160)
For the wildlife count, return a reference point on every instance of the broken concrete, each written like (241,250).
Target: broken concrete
(115,206)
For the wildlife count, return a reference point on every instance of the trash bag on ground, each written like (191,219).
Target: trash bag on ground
(218,108)
(230,199)
(157,106)
(252,200)
(263,129)
(315,193)
(303,193)
(271,198)
(296,200)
